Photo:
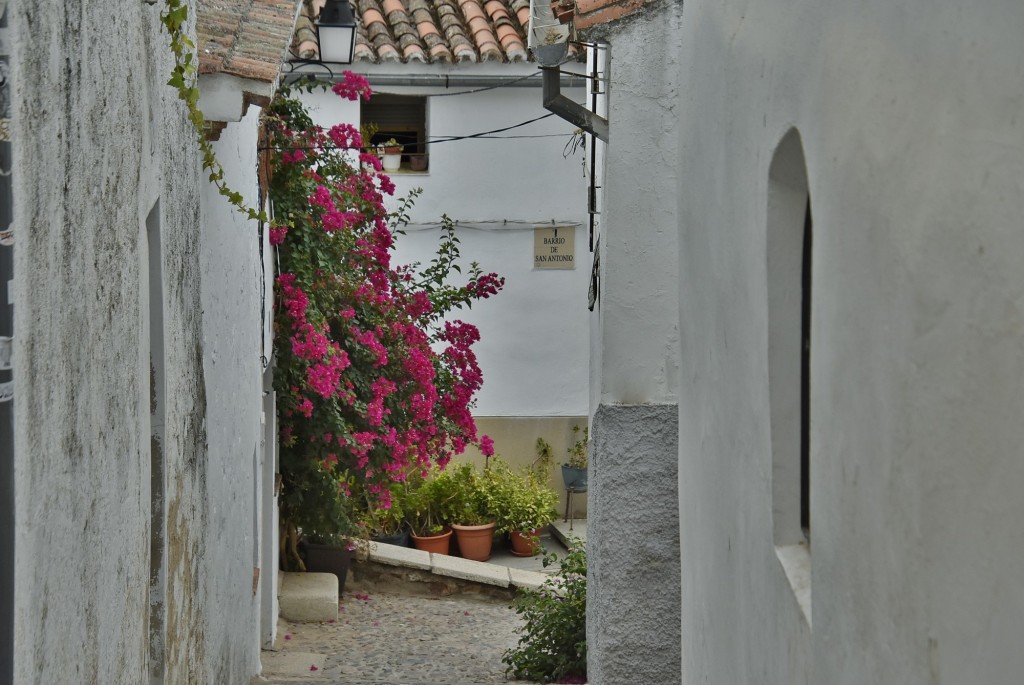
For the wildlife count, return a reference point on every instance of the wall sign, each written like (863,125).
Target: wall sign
(554,247)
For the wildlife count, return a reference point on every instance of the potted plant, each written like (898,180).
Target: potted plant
(418,162)
(321,555)
(388,526)
(521,503)
(428,511)
(472,520)
(532,512)
(320,538)
(574,472)
(391,154)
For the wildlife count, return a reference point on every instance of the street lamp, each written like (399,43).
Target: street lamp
(336,32)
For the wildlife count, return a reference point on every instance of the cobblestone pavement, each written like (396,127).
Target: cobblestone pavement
(384,637)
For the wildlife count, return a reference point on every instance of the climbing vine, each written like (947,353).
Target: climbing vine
(184,79)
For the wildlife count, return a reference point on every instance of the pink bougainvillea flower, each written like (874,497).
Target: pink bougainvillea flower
(373,378)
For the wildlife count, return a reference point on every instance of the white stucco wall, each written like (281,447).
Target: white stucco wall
(233,316)
(533,350)
(98,141)
(909,115)
(637,337)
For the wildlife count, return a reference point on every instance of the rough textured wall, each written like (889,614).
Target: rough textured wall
(82,486)
(633,547)
(910,120)
(99,139)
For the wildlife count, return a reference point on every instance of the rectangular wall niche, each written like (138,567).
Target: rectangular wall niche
(157,421)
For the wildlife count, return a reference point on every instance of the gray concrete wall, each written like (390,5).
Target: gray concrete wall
(99,139)
(633,546)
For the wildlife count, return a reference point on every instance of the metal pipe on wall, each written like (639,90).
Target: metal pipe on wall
(6,332)
(439,80)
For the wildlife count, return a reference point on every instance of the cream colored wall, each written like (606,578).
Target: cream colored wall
(515,440)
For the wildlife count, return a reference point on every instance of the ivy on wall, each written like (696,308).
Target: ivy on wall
(184,79)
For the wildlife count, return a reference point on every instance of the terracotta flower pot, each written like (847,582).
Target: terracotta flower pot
(525,543)
(475,541)
(438,544)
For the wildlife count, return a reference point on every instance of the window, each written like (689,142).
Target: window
(404,118)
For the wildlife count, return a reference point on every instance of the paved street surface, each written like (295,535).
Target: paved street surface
(387,638)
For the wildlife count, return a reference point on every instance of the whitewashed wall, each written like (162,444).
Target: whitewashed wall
(534,334)
(101,144)
(910,122)
(233,318)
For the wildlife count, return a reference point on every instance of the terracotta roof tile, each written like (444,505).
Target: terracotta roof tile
(430,31)
(246,38)
(596,12)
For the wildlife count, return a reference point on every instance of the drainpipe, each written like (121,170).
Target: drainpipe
(549,41)
(6,383)
(571,111)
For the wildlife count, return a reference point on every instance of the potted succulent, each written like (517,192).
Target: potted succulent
(391,154)
(472,520)
(574,472)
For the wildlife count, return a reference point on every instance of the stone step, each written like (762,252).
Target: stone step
(308,597)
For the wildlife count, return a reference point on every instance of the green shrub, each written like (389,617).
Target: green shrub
(517,501)
(553,641)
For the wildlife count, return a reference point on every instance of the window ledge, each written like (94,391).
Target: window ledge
(796,562)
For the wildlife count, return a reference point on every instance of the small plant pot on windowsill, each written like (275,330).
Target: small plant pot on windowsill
(392,158)
(418,162)
(475,542)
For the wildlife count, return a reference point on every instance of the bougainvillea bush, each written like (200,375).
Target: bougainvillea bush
(373,379)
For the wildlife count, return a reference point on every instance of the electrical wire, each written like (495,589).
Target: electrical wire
(493,225)
(443,139)
(448,139)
